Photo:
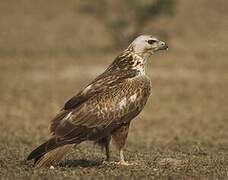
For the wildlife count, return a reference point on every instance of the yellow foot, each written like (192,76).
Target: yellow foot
(124,163)
(120,163)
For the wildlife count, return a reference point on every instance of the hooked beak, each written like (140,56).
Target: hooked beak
(162,46)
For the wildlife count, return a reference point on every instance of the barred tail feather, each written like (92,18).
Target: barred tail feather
(53,156)
(48,153)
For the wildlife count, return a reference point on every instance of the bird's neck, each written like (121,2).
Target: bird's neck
(129,61)
(139,64)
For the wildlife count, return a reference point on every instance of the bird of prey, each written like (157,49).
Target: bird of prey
(103,110)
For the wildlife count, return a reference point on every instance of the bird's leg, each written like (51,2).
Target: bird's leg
(119,136)
(107,152)
(104,144)
(122,161)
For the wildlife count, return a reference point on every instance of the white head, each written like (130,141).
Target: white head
(146,45)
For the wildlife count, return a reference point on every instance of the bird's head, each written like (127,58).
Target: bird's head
(137,53)
(146,45)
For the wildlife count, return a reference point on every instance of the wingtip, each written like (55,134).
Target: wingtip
(30,156)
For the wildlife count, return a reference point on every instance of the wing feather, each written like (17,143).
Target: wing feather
(100,113)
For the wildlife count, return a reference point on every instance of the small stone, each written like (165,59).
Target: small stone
(52,167)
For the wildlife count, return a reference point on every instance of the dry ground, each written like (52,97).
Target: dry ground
(181,133)
(45,59)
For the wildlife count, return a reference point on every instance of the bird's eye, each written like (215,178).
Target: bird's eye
(151,41)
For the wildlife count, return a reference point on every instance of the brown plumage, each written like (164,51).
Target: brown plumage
(105,108)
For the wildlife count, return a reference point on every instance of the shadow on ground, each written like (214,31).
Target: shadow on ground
(80,163)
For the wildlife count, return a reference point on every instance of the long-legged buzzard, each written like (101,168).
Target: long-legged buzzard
(105,108)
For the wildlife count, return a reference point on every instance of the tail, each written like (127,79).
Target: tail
(49,153)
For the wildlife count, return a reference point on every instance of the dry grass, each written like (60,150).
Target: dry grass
(182,132)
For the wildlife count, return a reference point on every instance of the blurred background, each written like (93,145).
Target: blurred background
(50,49)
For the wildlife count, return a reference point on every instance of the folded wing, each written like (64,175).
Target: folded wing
(100,113)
